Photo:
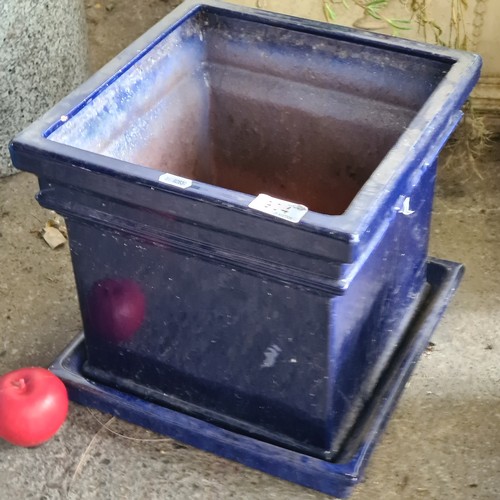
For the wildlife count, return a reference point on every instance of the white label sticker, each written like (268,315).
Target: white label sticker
(175,180)
(282,209)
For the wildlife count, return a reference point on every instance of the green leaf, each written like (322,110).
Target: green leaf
(399,24)
(374,14)
(372,8)
(377,3)
(329,12)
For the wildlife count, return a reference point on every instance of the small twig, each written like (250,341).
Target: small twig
(86,452)
(35,217)
(143,440)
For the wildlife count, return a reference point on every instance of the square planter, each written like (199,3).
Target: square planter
(335,477)
(248,199)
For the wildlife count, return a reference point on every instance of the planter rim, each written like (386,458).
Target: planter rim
(418,145)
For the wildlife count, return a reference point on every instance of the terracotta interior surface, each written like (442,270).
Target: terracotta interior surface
(257,109)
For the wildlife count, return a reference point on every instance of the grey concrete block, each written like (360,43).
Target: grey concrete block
(43,55)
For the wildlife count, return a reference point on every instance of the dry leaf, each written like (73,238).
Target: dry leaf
(58,223)
(53,237)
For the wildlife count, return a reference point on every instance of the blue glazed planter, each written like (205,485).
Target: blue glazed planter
(275,316)
(335,477)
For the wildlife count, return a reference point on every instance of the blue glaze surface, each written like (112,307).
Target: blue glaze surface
(193,299)
(337,477)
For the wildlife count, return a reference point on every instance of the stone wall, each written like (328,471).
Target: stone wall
(43,55)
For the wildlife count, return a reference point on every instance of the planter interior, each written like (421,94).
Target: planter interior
(258,109)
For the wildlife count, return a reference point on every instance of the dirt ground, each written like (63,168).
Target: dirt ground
(443,441)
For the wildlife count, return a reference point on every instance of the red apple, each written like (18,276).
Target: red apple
(116,309)
(33,406)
